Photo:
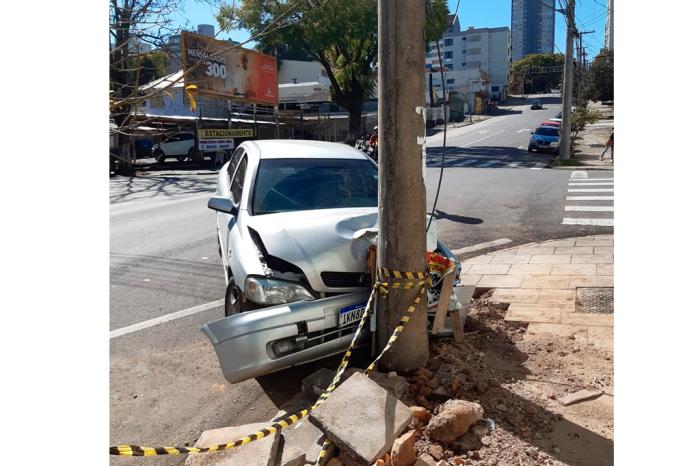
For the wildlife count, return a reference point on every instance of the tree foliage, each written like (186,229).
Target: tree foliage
(340,34)
(538,71)
(602,85)
(581,117)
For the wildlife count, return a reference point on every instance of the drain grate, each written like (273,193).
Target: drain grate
(594,300)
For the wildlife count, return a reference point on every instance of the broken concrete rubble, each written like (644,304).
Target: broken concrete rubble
(403,452)
(425,460)
(580,395)
(455,419)
(261,452)
(362,418)
(303,436)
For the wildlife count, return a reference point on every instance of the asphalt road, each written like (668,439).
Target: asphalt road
(165,382)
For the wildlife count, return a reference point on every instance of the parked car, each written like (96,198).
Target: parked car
(536,105)
(555,120)
(179,146)
(294,222)
(556,124)
(544,139)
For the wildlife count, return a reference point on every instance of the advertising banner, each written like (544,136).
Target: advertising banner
(220,69)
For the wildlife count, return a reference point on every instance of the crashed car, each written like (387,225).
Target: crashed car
(294,221)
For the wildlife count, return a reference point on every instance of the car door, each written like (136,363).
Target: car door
(227,222)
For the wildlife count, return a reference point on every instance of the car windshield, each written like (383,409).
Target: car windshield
(547,131)
(289,185)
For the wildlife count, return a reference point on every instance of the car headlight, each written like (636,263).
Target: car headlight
(269,291)
(555,143)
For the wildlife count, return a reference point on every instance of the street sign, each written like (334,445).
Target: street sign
(208,145)
(213,133)
(222,69)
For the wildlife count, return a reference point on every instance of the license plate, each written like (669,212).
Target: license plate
(349,314)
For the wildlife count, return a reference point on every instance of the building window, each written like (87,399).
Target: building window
(473,51)
(448,42)
(473,64)
(450,81)
(476,38)
(448,54)
(464,64)
(464,37)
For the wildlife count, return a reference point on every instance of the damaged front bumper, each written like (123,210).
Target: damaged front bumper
(258,342)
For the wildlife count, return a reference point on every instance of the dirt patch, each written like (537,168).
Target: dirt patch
(517,382)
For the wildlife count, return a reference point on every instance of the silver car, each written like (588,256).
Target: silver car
(294,222)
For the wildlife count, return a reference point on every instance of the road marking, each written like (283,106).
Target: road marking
(523,130)
(590,198)
(589,208)
(592,190)
(596,183)
(478,140)
(598,179)
(578,174)
(480,246)
(166,318)
(513,165)
(538,166)
(521,147)
(602,222)
(488,164)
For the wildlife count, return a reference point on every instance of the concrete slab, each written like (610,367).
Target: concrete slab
(470,280)
(362,418)
(514,295)
(573,269)
(521,312)
(501,281)
(556,296)
(574,250)
(546,281)
(604,269)
(550,259)
(488,269)
(302,436)
(591,281)
(592,259)
(261,452)
(484,259)
(511,259)
(531,269)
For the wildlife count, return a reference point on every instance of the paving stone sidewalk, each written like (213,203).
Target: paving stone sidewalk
(539,281)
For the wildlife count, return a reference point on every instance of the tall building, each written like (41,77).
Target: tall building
(532,27)
(609,43)
(474,59)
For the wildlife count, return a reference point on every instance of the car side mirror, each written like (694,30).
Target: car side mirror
(222,204)
(532,132)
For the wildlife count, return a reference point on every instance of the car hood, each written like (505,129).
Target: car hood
(319,241)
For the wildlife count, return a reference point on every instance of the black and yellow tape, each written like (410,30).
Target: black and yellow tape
(402,280)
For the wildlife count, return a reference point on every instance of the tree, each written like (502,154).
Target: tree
(132,24)
(542,70)
(603,77)
(339,34)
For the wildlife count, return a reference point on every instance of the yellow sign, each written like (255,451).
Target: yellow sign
(226,133)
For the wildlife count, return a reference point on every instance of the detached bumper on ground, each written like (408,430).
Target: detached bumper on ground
(258,342)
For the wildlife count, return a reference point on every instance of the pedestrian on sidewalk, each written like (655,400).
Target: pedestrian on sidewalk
(610,144)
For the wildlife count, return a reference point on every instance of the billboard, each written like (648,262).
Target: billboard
(220,69)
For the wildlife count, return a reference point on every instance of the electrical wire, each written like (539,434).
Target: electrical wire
(444,131)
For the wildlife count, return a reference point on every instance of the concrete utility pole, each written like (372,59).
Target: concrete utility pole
(565,145)
(402,206)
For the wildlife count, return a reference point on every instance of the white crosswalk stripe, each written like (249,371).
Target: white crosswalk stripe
(487,163)
(592,202)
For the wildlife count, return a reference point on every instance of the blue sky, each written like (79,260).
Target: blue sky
(590,15)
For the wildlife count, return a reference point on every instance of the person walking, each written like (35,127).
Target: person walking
(610,144)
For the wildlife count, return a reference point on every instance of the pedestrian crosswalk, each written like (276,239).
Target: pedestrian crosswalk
(589,201)
(434,162)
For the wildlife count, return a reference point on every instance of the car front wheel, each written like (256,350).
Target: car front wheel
(160,156)
(234,304)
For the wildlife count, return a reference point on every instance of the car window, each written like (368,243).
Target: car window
(547,131)
(186,136)
(237,181)
(288,185)
(234,160)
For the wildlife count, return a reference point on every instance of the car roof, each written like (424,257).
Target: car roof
(547,127)
(304,149)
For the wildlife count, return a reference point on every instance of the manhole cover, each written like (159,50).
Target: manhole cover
(594,300)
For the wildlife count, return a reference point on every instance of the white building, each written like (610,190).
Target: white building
(609,42)
(474,59)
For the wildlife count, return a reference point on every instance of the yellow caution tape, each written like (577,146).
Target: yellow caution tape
(413,280)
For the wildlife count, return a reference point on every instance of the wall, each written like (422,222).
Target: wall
(301,71)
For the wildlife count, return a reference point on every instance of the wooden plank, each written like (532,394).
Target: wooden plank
(457,329)
(443,302)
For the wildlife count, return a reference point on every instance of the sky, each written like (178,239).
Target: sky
(590,16)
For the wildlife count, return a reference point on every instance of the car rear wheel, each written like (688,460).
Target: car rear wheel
(234,304)
(181,158)
(160,155)
(529,149)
